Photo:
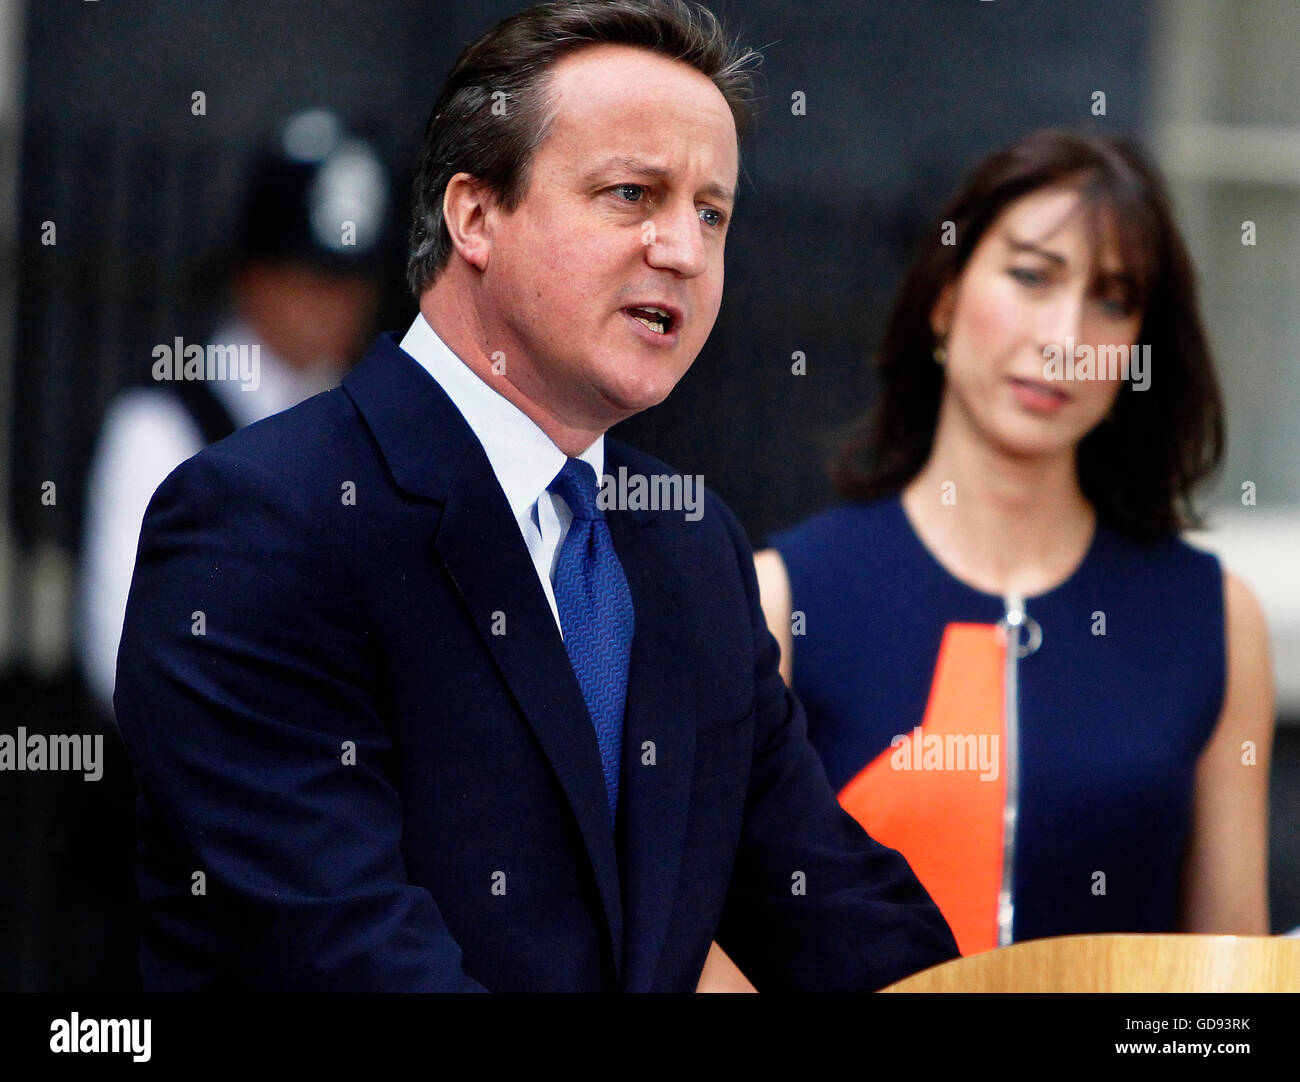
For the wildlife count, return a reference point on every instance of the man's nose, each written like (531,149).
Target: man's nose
(673,241)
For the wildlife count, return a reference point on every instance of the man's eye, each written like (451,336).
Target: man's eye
(714,221)
(636,190)
(1027,277)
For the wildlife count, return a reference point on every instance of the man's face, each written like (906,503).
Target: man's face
(627,207)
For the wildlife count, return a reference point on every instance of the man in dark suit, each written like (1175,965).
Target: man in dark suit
(411,705)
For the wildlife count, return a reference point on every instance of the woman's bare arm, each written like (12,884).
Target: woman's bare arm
(774,595)
(1225,877)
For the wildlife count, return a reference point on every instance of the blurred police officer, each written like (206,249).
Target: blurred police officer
(302,297)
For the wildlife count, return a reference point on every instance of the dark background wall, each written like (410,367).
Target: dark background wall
(901,98)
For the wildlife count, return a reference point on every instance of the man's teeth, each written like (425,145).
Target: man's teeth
(658,326)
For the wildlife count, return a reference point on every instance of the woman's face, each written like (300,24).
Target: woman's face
(1028,286)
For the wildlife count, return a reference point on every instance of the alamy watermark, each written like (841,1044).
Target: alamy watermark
(77,1034)
(1083,361)
(240,363)
(78,752)
(951,751)
(653,492)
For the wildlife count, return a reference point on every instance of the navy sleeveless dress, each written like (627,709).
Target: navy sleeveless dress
(1110,724)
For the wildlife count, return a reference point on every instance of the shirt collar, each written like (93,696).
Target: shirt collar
(522,456)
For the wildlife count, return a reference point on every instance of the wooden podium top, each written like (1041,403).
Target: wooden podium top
(1121,963)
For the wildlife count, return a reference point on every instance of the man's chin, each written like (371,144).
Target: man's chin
(627,402)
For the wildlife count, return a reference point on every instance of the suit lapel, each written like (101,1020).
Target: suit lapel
(658,738)
(433,453)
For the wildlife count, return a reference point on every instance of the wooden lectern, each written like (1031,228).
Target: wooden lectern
(1121,963)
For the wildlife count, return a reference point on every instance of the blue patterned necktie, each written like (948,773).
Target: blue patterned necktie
(595,607)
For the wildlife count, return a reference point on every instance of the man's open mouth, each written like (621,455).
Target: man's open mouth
(656,319)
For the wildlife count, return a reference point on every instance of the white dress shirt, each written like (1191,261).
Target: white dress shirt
(522,456)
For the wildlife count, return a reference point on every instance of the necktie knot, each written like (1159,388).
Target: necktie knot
(576,483)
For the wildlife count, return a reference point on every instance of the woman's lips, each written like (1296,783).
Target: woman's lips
(1037,396)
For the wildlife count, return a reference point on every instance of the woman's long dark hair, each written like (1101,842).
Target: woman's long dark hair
(1139,468)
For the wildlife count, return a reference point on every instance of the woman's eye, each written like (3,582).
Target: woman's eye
(1027,277)
(1116,307)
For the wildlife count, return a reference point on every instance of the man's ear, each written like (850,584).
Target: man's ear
(941,313)
(466,204)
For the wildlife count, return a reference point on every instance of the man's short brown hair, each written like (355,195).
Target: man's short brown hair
(493,111)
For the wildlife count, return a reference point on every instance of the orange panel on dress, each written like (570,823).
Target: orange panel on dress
(948,822)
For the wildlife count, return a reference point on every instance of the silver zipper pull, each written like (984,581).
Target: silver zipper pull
(1029,635)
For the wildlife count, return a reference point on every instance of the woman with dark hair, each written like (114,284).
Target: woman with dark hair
(1015,670)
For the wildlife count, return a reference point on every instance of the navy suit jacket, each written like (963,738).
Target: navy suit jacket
(364,761)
